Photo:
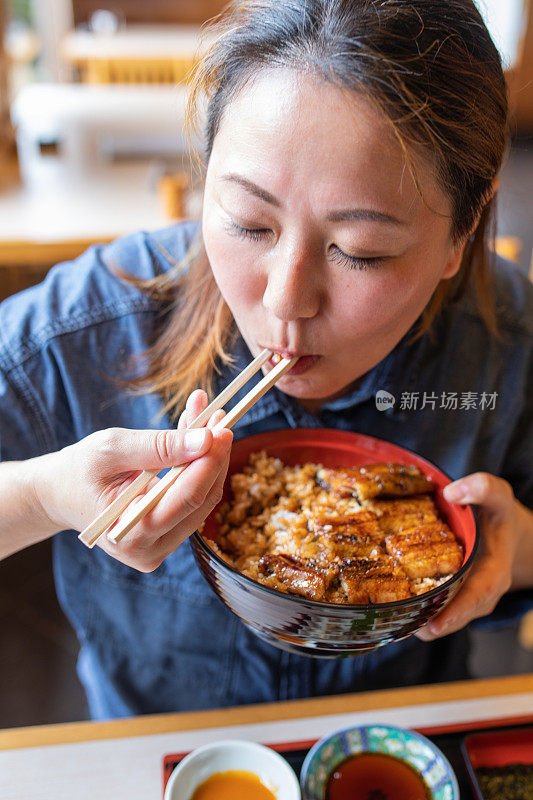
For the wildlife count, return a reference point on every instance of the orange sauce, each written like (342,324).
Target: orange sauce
(235,784)
(376,776)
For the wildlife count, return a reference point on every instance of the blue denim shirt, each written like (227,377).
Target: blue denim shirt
(162,641)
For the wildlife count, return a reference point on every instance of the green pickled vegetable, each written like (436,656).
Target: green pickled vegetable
(512,782)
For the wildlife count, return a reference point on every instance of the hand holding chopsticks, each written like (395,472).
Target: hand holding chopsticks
(145,504)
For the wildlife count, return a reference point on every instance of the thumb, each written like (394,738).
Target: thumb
(482,489)
(133,450)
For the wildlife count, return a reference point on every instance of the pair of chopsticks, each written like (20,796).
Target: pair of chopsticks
(103,521)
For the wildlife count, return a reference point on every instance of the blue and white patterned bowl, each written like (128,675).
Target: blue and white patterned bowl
(411,747)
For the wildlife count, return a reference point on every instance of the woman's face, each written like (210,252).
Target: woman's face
(319,240)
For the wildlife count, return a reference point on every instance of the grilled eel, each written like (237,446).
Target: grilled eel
(375,480)
(427,551)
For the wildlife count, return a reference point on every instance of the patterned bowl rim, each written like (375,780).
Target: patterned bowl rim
(392,605)
(450,776)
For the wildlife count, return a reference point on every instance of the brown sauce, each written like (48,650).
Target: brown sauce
(234,784)
(376,776)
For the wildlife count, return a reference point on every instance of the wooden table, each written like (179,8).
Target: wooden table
(121,759)
(57,215)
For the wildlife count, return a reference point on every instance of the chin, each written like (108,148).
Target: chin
(302,387)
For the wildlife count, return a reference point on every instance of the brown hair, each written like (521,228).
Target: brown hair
(432,69)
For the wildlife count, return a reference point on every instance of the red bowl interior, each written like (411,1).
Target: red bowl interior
(334,448)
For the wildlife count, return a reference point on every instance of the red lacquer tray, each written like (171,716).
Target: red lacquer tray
(449,738)
(497,749)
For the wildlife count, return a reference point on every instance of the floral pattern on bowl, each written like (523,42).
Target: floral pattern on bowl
(411,747)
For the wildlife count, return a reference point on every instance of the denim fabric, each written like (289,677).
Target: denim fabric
(162,641)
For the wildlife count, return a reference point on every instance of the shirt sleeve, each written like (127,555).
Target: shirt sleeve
(517,469)
(24,430)
(33,408)
(518,464)
(50,351)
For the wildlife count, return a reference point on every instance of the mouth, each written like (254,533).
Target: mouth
(304,363)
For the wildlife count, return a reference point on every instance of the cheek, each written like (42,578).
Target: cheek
(235,273)
(365,305)
(379,300)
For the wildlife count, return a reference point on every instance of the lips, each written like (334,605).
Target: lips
(305,361)
(285,352)
(303,364)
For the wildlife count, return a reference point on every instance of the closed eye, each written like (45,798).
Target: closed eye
(248,233)
(338,255)
(354,262)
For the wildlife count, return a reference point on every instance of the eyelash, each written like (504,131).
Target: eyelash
(247,233)
(351,262)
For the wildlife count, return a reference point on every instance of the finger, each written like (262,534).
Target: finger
(120,450)
(171,540)
(182,422)
(477,597)
(196,403)
(187,494)
(115,488)
(483,489)
(101,541)
(144,548)
(425,635)
(489,579)
(217,417)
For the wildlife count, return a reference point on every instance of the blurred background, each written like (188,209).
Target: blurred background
(92,145)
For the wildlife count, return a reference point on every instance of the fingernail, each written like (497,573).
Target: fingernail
(194,439)
(228,440)
(455,492)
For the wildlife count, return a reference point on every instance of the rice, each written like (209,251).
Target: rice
(286,530)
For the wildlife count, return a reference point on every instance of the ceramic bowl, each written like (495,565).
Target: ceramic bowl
(315,628)
(233,754)
(411,747)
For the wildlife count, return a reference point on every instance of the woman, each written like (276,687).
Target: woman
(352,153)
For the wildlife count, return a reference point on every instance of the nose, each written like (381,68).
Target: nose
(293,288)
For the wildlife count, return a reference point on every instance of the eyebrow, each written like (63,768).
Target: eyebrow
(253,188)
(344,215)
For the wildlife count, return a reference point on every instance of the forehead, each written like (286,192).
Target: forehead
(293,132)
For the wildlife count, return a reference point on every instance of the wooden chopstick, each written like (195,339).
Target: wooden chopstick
(152,497)
(98,526)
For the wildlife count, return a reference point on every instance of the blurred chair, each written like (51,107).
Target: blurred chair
(136,54)
(135,70)
(25,263)
(525,631)
(509,247)
(7,138)
(520,77)
(172,189)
